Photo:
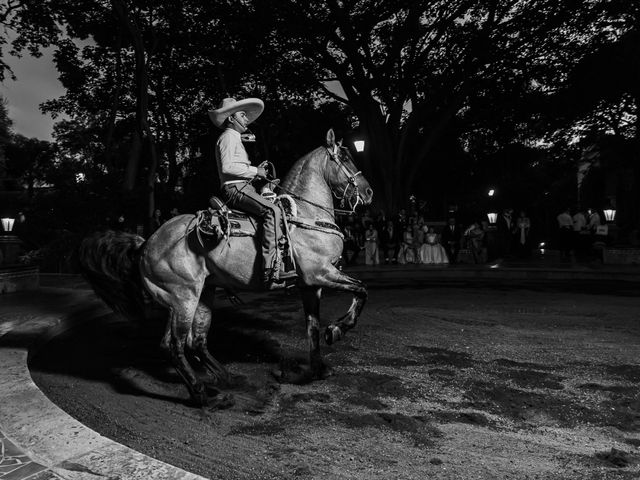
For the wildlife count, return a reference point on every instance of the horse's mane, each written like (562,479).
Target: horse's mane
(301,166)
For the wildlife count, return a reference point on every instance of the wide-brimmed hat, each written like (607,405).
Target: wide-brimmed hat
(252,107)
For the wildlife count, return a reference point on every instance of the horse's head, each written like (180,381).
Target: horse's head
(346,181)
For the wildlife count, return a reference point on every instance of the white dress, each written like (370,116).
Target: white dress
(431,252)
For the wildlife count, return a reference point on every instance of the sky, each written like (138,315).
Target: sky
(36,81)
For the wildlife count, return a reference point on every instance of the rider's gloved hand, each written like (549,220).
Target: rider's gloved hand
(262,172)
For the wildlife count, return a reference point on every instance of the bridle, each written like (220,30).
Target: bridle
(351,181)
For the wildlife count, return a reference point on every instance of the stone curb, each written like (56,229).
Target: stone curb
(40,440)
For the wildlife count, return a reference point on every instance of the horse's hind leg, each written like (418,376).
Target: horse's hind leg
(180,322)
(201,325)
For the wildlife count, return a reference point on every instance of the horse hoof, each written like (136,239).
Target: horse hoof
(323,372)
(332,334)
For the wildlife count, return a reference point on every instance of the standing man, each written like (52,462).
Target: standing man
(504,227)
(580,234)
(237,173)
(565,229)
(451,237)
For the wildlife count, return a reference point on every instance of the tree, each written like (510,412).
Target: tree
(29,160)
(5,136)
(413,71)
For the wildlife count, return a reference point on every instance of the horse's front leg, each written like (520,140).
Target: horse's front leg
(337,280)
(311,303)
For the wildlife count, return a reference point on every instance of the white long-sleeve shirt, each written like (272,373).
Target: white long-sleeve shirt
(232,159)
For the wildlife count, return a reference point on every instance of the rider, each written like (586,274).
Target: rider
(237,173)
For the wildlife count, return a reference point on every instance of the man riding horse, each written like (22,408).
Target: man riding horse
(236,176)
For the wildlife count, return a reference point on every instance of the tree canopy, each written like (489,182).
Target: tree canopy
(439,89)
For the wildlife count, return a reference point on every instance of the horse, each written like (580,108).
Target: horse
(180,271)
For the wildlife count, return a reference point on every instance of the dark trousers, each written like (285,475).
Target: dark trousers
(565,236)
(451,249)
(243,196)
(389,250)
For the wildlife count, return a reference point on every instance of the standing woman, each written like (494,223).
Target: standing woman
(418,240)
(371,256)
(523,229)
(407,253)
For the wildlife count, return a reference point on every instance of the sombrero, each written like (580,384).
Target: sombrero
(252,107)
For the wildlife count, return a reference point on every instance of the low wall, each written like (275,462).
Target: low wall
(19,278)
(628,256)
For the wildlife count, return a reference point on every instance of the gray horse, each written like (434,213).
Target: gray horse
(181,273)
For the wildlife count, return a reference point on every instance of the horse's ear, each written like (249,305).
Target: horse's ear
(340,142)
(331,139)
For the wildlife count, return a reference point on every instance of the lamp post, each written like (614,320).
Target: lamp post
(9,243)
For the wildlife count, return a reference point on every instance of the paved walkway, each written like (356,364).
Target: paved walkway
(41,442)
(38,440)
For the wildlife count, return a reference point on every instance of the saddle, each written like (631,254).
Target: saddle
(219,222)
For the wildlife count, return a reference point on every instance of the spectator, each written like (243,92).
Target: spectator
(431,251)
(366,219)
(580,241)
(522,231)
(371,255)
(174,212)
(565,229)
(504,227)
(407,253)
(594,220)
(477,242)
(156,220)
(401,220)
(351,248)
(451,238)
(390,242)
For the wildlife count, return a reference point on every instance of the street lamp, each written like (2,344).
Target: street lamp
(492,216)
(610,214)
(491,192)
(359,144)
(7,224)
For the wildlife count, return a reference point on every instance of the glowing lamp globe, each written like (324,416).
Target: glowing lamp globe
(610,214)
(492,216)
(359,144)
(7,224)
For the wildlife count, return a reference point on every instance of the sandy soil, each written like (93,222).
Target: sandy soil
(440,382)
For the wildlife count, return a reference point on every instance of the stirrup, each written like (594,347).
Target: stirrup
(290,275)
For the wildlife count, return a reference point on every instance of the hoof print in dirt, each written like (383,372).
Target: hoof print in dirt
(616,458)
(292,371)
(220,402)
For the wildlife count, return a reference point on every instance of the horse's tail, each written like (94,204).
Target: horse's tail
(109,261)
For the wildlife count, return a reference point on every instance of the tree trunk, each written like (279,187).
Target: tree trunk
(113,111)
(142,104)
(133,163)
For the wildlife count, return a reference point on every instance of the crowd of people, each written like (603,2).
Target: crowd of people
(580,232)
(407,239)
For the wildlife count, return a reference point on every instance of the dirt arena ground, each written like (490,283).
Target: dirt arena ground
(442,382)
